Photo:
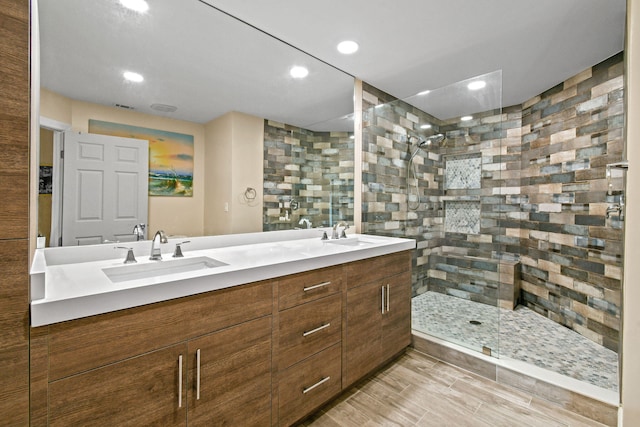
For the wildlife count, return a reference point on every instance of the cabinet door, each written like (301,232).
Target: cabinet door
(364,331)
(143,390)
(396,323)
(234,387)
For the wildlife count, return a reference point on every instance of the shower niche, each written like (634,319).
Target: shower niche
(462,175)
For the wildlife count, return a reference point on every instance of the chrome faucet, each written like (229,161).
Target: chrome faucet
(138,231)
(156,253)
(342,235)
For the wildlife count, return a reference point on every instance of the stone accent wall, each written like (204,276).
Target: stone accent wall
(307,174)
(571,253)
(543,196)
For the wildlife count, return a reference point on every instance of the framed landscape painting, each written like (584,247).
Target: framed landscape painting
(170,156)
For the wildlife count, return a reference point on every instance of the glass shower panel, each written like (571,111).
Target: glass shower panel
(433,165)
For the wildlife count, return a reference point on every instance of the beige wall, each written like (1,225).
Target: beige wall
(174,215)
(631,286)
(233,161)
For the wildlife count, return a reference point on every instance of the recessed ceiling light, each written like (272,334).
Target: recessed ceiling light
(298,72)
(427,126)
(424,92)
(137,5)
(348,47)
(133,77)
(476,85)
(466,118)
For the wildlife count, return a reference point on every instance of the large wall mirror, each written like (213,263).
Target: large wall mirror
(268,151)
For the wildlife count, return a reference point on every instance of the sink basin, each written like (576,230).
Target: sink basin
(351,241)
(126,273)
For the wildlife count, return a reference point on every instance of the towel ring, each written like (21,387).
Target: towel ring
(250,194)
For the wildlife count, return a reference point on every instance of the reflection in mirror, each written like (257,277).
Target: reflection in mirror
(225,83)
(308,177)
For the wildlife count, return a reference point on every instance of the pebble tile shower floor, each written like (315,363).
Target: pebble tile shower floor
(522,335)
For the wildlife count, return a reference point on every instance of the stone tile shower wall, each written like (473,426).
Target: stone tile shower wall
(386,152)
(457,218)
(571,253)
(312,169)
(542,199)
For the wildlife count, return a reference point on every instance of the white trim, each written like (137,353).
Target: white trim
(54,125)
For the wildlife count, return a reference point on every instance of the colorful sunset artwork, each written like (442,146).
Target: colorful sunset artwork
(170,156)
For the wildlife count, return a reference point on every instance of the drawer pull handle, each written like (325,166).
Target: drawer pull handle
(382,289)
(180,381)
(319,383)
(319,285)
(388,297)
(313,331)
(198,374)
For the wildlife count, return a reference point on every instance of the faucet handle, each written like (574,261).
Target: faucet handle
(177,253)
(130,257)
(324,236)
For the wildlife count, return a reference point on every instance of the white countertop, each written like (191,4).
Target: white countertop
(69,283)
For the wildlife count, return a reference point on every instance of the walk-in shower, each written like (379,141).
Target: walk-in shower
(516,257)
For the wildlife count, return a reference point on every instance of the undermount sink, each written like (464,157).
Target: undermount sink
(351,241)
(126,273)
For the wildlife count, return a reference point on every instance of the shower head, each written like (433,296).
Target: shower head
(433,139)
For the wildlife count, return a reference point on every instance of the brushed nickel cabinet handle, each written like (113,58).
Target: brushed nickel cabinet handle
(388,296)
(198,374)
(319,285)
(322,381)
(313,331)
(382,289)
(180,381)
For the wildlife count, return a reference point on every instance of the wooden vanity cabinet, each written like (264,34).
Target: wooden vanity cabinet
(378,322)
(139,366)
(264,353)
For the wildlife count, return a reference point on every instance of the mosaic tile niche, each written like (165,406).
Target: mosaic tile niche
(307,175)
(462,217)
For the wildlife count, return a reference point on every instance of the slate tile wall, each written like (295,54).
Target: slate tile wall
(315,169)
(543,195)
(571,253)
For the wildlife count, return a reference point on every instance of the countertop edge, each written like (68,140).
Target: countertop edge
(44,312)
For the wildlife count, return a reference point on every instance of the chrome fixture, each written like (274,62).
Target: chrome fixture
(306,222)
(177,253)
(618,165)
(342,235)
(156,253)
(617,208)
(411,167)
(138,231)
(324,236)
(130,259)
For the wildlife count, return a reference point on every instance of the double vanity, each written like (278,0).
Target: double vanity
(252,329)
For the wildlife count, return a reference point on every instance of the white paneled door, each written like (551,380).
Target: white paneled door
(105,188)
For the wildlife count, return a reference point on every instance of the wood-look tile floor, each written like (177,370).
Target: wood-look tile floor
(418,390)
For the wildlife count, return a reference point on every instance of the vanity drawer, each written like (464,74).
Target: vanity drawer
(373,269)
(308,286)
(308,328)
(305,386)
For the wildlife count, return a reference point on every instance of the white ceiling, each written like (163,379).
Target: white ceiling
(206,63)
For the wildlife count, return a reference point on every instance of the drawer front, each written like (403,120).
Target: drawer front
(373,269)
(306,386)
(309,286)
(308,328)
